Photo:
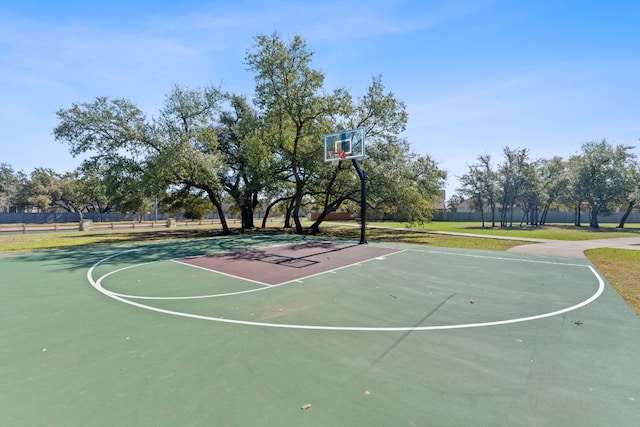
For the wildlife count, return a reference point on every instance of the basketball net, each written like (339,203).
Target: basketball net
(336,156)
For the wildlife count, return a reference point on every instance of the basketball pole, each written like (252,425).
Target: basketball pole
(363,201)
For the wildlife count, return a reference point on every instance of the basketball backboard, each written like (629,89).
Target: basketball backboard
(347,144)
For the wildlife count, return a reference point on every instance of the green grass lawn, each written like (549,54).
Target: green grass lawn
(549,231)
(620,267)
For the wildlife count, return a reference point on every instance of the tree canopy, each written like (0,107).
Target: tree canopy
(205,141)
(601,177)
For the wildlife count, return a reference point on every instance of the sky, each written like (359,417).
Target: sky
(476,76)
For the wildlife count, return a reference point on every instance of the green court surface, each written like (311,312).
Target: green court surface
(420,336)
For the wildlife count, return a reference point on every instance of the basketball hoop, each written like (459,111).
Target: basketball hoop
(344,145)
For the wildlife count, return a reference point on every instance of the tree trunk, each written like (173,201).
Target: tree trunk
(266,215)
(246,217)
(218,205)
(525,216)
(627,213)
(81,225)
(543,217)
(315,227)
(254,205)
(332,207)
(296,208)
(511,216)
(534,216)
(480,206)
(269,207)
(246,214)
(249,203)
(593,219)
(287,215)
(223,219)
(493,215)
(296,218)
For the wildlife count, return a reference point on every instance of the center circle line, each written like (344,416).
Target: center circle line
(97,284)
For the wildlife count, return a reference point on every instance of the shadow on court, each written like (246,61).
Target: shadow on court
(285,263)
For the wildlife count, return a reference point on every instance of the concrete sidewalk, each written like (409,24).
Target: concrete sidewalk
(568,248)
(576,249)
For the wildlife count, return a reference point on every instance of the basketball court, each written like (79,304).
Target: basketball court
(286,330)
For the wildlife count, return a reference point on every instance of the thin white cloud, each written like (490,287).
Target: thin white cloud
(316,20)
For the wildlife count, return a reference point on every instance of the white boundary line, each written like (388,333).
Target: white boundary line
(333,270)
(97,284)
(221,272)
